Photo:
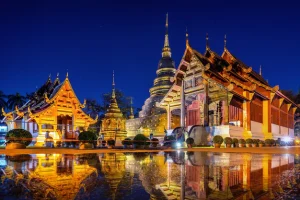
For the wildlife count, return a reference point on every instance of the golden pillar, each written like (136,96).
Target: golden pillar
(267,167)
(267,119)
(246,120)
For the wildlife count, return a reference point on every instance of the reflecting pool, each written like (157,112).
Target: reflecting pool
(172,175)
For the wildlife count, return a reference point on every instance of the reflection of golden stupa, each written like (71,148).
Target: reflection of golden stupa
(113,167)
(113,124)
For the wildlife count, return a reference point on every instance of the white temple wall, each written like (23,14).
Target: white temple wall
(257,130)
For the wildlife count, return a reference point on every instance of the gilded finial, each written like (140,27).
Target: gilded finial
(67,75)
(113,95)
(166,51)
(167,20)
(225,42)
(186,36)
(57,75)
(260,72)
(131,116)
(49,76)
(207,46)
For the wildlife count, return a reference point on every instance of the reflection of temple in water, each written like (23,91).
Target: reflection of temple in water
(174,175)
(227,176)
(52,176)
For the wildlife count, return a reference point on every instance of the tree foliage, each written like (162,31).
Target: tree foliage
(15,100)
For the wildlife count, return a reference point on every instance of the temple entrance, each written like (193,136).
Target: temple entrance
(65,127)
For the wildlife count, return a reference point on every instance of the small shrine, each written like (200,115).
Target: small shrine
(113,124)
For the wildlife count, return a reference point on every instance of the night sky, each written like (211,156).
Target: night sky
(92,38)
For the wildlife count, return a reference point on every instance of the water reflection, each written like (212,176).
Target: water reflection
(173,175)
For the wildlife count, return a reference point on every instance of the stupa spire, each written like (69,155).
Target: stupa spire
(166,51)
(113,94)
(131,116)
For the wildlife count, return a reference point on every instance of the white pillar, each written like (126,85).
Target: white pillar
(168,117)
(182,111)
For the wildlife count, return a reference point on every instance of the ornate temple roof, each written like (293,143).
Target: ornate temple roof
(43,98)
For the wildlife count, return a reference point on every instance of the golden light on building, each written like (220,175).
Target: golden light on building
(54,108)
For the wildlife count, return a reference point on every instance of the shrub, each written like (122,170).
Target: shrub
(87,136)
(111,142)
(235,141)
(228,140)
(256,141)
(242,141)
(249,141)
(190,141)
(19,136)
(147,142)
(261,142)
(154,142)
(273,141)
(169,140)
(127,141)
(140,139)
(268,141)
(218,139)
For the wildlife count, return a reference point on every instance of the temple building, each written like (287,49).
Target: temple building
(53,108)
(152,119)
(227,97)
(113,124)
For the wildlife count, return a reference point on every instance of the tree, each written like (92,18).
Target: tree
(15,100)
(122,100)
(3,98)
(289,94)
(93,108)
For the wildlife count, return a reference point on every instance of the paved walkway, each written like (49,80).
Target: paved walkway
(264,150)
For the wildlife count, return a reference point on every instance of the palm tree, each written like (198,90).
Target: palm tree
(3,98)
(15,100)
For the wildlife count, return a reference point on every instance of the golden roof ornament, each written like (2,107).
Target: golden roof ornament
(260,73)
(186,37)
(3,112)
(46,98)
(83,105)
(207,45)
(20,114)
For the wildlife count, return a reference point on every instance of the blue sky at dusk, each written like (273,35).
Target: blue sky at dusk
(92,38)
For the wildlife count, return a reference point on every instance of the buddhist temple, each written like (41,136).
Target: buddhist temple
(153,119)
(227,97)
(113,124)
(53,108)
